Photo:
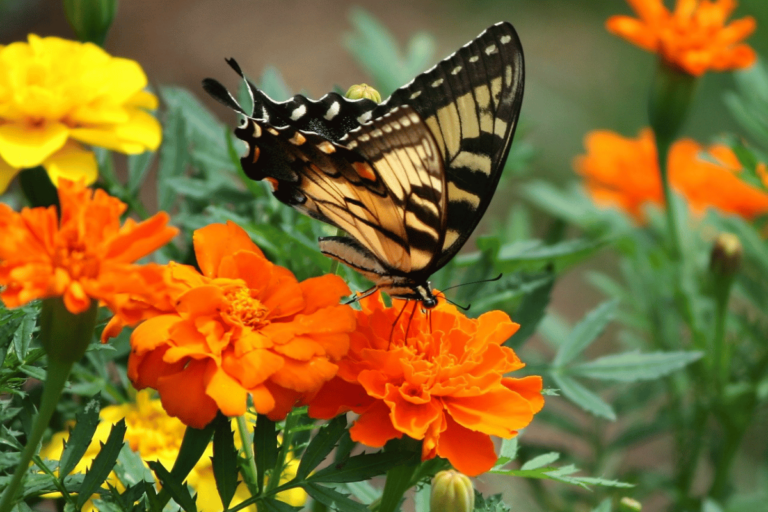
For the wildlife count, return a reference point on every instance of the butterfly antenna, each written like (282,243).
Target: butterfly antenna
(474,282)
(463,308)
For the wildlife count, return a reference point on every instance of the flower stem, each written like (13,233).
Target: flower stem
(291,421)
(671,211)
(245,438)
(58,372)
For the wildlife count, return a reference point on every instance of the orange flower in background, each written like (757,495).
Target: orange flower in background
(84,255)
(444,384)
(624,172)
(56,95)
(244,326)
(694,37)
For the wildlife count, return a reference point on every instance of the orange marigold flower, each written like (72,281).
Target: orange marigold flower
(624,172)
(443,384)
(694,37)
(244,326)
(84,255)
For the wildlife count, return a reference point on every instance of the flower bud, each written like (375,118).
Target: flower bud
(726,255)
(91,19)
(671,94)
(452,492)
(359,91)
(629,505)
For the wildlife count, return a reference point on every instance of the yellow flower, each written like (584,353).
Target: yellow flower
(156,436)
(56,94)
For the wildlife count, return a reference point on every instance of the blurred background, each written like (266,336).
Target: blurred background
(578,78)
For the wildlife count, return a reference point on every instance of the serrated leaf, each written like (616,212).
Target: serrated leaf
(585,332)
(174,157)
(264,447)
(530,312)
(634,366)
(540,461)
(176,489)
(364,491)
(583,397)
(334,499)
(192,448)
(535,255)
(138,167)
(200,123)
(358,468)
(23,336)
(224,460)
(103,463)
(321,445)
(272,505)
(80,438)
(130,468)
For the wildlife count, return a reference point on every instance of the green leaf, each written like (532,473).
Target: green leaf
(200,123)
(272,505)
(130,469)
(535,255)
(398,481)
(583,397)
(264,447)
(192,448)
(604,506)
(711,505)
(357,468)
(585,332)
(530,312)
(174,157)
(493,503)
(80,437)
(321,445)
(23,336)
(273,84)
(364,491)
(103,463)
(224,460)
(508,451)
(334,499)
(178,491)
(138,167)
(541,461)
(634,366)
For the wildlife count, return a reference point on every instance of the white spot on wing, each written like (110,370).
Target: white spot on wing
(491,49)
(437,83)
(299,112)
(415,95)
(333,111)
(474,58)
(364,117)
(505,39)
(456,70)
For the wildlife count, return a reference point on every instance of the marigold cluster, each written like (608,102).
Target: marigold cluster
(84,255)
(695,37)
(443,383)
(624,172)
(56,95)
(154,435)
(243,326)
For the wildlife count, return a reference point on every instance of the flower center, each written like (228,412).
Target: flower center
(245,308)
(76,260)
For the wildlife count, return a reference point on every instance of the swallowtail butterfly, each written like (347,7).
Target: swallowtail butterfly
(407,179)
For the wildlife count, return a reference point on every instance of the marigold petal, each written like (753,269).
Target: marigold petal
(146,369)
(323,291)
(499,413)
(304,377)
(141,239)
(263,401)
(140,133)
(143,99)
(285,400)
(73,163)
(529,388)
(338,396)
(471,453)
(634,31)
(7,173)
(374,428)
(228,394)
(183,395)
(153,333)
(253,368)
(75,298)
(24,147)
(413,419)
(216,241)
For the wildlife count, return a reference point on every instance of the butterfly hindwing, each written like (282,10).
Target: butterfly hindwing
(384,188)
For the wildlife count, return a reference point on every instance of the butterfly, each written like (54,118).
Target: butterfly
(407,179)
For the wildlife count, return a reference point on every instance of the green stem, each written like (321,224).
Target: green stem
(671,211)
(245,439)
(398,481)
(719,489)
(720,360)
(291,421)
(56,378)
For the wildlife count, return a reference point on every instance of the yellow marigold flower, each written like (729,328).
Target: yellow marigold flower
(694,37)
(56,94)
(156,436)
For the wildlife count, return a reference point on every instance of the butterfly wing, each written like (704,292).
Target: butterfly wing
(384,188)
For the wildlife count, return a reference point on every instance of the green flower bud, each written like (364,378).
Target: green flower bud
(629,505)
(671,95)
(725,259)
(357,92)
(452,492)
(65,335)
(91,19)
